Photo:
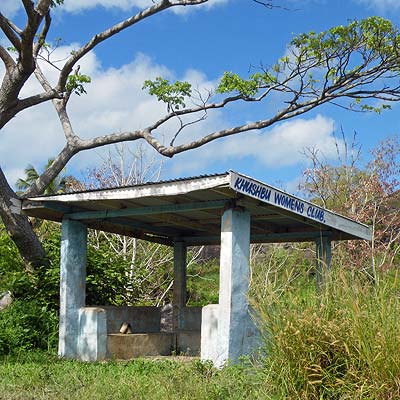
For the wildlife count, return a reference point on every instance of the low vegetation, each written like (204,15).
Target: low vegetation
(339,342)
(42,376)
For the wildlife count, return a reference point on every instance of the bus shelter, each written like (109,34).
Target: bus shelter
(229,209)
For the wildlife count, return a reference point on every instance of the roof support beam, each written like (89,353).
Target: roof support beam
(262,238)
(148,228)
(185,222)
(152,210)
(131,228)
(131,231)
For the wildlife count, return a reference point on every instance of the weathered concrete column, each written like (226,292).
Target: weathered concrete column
(323,258)
(233,288)
(179,288)
(72,285)
(92,338)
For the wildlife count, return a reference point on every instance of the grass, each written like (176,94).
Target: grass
(37,375)
(341,343)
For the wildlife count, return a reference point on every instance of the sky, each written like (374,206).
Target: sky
(196,44)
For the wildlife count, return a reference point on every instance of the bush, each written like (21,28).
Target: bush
(27,325)
(12,275)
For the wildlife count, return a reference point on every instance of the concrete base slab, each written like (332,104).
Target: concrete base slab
(129,346)
(188,343)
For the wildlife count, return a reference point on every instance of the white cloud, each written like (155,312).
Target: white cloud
(382,5)
(79,5)
(128,5)
(210,4)
(14,174)
(281,146)
(284,143)
(10,7)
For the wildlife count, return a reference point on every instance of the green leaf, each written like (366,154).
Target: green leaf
(75,83)
(173,94)
(248,88)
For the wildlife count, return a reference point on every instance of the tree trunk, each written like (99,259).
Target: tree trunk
(19,229)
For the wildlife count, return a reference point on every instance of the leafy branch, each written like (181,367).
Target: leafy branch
(173,94)
(76,81)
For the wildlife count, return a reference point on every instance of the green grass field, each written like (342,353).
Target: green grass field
(37,375)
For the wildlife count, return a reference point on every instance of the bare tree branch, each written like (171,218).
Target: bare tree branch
(36,99)
(42,37)
(43,7)
(8,30)
(7,59)
(56,167)
(108,33)
(184,125)
(28,5)
(14,27)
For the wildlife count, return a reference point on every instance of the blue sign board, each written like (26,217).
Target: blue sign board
(276,197)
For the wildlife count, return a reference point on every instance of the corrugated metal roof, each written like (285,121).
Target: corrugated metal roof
(190,209)
(160,182)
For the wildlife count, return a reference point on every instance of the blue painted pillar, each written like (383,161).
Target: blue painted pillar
(179,288)
(72,285)
(233,310)
(323,258)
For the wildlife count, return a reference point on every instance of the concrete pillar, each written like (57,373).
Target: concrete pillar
(92,337)
(179,288)
(233,287)
(72,285)
(323,258)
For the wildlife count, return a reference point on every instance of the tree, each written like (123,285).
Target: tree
(56,186)
(369,194)
(346,66)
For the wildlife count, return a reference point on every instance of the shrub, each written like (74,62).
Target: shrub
(27,325)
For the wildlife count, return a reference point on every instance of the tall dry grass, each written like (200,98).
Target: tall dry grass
(342,342)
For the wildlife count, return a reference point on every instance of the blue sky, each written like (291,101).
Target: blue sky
(196,44)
